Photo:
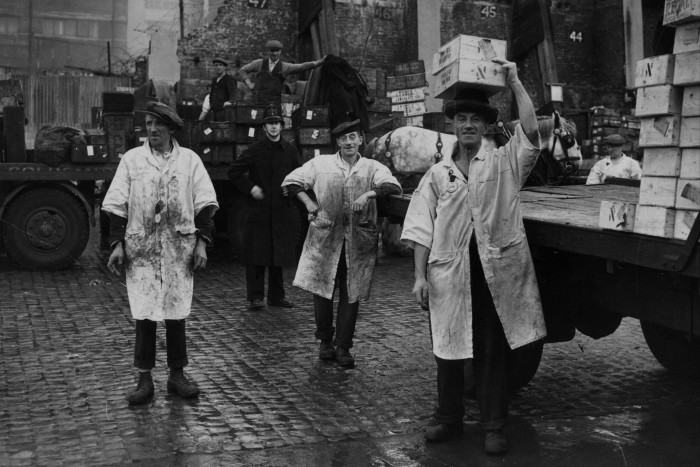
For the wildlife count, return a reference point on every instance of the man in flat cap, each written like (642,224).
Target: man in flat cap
(267,241)
(615,164)
(223,91)
(341,245)
(473,269)
(265,76)
(160,205)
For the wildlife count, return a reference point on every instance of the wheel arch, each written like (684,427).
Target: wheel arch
(65,186)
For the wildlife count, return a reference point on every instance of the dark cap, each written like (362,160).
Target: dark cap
(471,100)
(273,45)
(614,140)
(220,60)
(165,113)
(347,127)
(272,114)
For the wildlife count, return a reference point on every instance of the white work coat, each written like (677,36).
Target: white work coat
(337,224)
(159,255)
(444,212)
(623,167)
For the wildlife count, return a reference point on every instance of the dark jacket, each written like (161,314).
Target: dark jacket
(267,238)
(222,91)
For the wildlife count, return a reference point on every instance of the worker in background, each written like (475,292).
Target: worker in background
(206,106)
(341,245)
(615,164)
(473,269)
(161,202)
(265,76)
(267,241)
(223,90)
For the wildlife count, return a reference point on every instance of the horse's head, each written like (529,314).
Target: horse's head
(559,140)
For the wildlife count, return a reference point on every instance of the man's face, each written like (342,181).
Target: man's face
(614,151)
(158,133)
(220,69)
(469,127)
(274,54)
(349,143)
(273,130)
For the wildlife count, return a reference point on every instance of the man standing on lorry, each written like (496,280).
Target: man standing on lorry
(341,244)
(270,73)
(223,91)
(473,268)
(160,205)
(267,242)
(616,164)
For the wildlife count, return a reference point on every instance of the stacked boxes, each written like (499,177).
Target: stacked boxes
(119,132)
(669,107)
(312,131)
(465,62)
(406,89)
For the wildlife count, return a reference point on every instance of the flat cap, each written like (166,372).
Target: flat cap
(220,60)
(614,140)
(273,45)
(346,127)
(165,113)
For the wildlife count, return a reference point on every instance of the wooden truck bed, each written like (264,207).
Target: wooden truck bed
(566,218)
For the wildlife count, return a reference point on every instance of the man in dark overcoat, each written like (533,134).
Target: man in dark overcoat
(267,239)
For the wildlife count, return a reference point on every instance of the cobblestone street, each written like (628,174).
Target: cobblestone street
(66,340)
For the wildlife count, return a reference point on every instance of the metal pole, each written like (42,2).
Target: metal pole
(182,20)
(30,38)
(109,60)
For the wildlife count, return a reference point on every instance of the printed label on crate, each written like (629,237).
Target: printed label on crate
(90,151)
(410,109)
(206,151)
(309,114)
(251,132)
(207,131)
(401,96)
(253,114)
(314,135)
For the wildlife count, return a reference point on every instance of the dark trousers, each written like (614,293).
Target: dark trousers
(145,352)
(255,282)
(347,312)
(490,352)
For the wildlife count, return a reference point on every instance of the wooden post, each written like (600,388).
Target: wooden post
(331,38)
(545,53)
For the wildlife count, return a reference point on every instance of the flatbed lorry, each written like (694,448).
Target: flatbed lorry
(590,278)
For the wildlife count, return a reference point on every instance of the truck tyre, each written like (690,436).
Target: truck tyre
(47,229)
(675,350)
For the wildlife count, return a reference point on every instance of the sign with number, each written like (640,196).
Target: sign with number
(576,36)
(488,11)
(259,3)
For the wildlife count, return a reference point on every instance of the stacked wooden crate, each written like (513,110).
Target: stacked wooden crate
(312,131)
(668,104)
(604,122)
(406,88)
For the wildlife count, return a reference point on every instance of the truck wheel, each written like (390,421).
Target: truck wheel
(523,363)
(48,229)
(675,350)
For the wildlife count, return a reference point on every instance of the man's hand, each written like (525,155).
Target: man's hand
(257,193)
(510,68)
(116,259)
(200,254)
(420,291)
(227,104)
(312,209)
(249,83)
(359,204)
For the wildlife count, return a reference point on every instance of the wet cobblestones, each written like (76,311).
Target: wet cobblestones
(66,343)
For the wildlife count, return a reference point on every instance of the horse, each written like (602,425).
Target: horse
(410,151)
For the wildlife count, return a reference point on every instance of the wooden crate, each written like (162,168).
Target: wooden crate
(687,38)
(381,104)
(690,163)
(683,223)
(224,154)
(687,69)
(249,114)
(240,148)
(653,220)
(89,154)
(405,82)
(616,215)
(681,11)
(314,136)
(403,96)
(409,68)
(214,132)
(654,71)
(410,109)
(688,194)
(468,73)
(309,152)
(690,132)
(658,191)
(659,100)
(660,131)
(289,135)
(470,47)
(691,101)
(311,117)
(246,134)
(662,162)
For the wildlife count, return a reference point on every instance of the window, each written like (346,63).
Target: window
(87,29)
(9,25)
(70,28)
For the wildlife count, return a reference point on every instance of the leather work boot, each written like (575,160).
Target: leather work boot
(144,389)
(256,305)
(326,351)
(177,383)
(281,302)
(440,432)
(495,442)
(343,358)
